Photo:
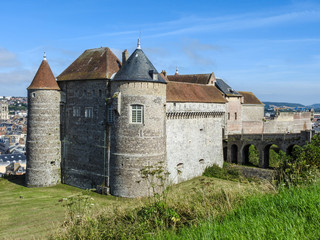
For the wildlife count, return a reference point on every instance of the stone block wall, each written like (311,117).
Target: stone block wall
(84,136)
(43,139)
(194,138)
(288,122)
(135,146)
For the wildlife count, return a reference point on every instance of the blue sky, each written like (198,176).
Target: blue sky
(269,47)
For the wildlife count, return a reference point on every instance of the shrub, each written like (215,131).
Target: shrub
(302,167)
(227,172)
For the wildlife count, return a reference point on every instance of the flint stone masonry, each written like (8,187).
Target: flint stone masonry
(43,138)
(136,146)
(194,143)
(84,139)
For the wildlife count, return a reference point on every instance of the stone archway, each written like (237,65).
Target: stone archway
(250,155)
(234,153)
(290,149)
(271,159)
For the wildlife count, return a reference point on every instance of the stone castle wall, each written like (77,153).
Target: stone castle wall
(84,138)
(194,138)
(135,146)
(252,118)
(43,138)
(288,122)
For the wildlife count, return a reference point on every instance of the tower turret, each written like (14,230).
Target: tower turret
(43,134)
(138,135)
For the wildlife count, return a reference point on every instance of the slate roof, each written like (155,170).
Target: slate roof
(12,157)
(225,88)
(186,92)
(138,68)
(250,98)
(97,63)
(191,78)
(44,78)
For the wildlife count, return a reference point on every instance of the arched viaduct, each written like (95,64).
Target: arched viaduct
(236,147)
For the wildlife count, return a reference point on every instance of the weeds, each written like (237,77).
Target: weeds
(227,172)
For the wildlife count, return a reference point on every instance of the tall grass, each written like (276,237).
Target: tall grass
(186,204)
(293,213)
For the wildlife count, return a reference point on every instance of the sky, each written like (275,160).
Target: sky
(268,47)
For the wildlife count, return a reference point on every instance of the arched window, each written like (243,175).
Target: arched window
(136,114)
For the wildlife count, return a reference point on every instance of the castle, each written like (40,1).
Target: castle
(104,120)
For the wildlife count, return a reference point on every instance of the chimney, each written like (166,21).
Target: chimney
(164,72)
(125,56)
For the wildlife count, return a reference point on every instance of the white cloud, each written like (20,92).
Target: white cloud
(199,52)
(16,77)
(8,59)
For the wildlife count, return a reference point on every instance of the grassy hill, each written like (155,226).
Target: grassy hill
(210,208)
(37,213)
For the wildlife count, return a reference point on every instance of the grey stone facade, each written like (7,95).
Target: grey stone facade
(43,139)
(136,145)
(84,133)
(194,138)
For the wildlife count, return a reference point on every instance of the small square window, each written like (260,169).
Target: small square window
(76,111)
(88,112)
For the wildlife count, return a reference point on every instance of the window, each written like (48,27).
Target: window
(88,112)
(235,116)
(136,114)
(228,116)
(76,111)
(110,114)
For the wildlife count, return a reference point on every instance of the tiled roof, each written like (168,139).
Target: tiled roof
(98,63)
(192,78)
(225,88)
(138,68)
(250,98)
(44,78)
(186,92)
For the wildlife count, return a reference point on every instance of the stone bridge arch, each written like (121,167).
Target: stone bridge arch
(245,153)
(238,145)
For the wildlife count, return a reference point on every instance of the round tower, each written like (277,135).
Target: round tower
(138,133)
(43,134)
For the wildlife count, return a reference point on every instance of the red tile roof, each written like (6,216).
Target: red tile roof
(44,78)
(250,98)
(98,63)
(186,92)
(192,78)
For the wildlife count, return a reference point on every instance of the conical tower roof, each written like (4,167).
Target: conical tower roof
(44,78)
(138,68)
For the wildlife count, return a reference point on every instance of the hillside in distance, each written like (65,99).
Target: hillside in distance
(315,106)
(283,104)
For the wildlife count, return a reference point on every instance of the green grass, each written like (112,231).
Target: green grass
(36,213)
(291,214)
